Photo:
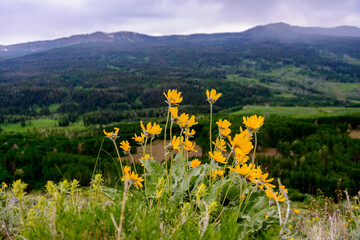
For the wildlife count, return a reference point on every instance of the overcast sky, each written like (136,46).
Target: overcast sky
(31,20)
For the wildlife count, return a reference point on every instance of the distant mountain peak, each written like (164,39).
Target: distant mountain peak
(279,31)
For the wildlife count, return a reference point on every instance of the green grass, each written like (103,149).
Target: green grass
(346,86)
(297,112)
(30,125)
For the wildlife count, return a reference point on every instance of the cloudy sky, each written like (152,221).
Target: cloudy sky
(30,20)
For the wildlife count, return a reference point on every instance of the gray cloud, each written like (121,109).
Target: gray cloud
(29,20)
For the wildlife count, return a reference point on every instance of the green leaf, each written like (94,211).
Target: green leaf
(253,217)
(111,193)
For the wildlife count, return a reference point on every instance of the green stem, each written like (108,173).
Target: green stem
(132,159)
(211,159)
(22,213)
(117,168)
(167,121)
(117,151)
(210,127)
(185,168)
(151,147)
(144,150)
(97,159)
(226,162)
(169,175)
(248,198)
(232,181)
(253,158)
(144,147)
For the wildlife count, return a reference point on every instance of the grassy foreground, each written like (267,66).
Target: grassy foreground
(226,196)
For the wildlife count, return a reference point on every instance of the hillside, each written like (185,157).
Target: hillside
(276,64)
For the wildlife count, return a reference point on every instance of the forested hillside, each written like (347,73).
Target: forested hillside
(259,66)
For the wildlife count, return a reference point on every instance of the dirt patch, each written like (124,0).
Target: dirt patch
(355,134)
(268,152)
(158,152)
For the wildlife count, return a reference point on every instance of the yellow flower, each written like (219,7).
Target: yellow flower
(220,144)
(217,172)
(137,180)
(212,97)
(223,124)
(253,122)
(218,157)
(151,130)
(266,217)
(225,132)
(185,122)
(4,185)
(127,169)
(175,143)
(282,187)
(147,156)
(195,163)
(139,139)
(290,227)
(126,177)
(296,211)
(248,171)
(274,196)
(174,113)
(124,145)
(182,120)
(173,97)
(241,159)
(241,144)
(111,134)
(189,146)
(191,122)
(189,133)
(266,182)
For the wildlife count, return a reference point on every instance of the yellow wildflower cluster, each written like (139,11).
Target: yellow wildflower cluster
(217,173)
(212,97)
(173,97)
(224,128)
(132,177)
(253,123)
(240,145)
(112,135)
(150,129)
(195,163)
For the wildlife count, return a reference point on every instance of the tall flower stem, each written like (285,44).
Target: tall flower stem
(210,127)
(171,162)
(151,147)
(248,198)
(185,169)
(144,150)
(22,213)
(97,159)
(253,158)
(132,159)
(231,183)
(167,121)
(117,152)
(211,159)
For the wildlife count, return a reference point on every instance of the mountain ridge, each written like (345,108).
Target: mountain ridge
(280,31)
